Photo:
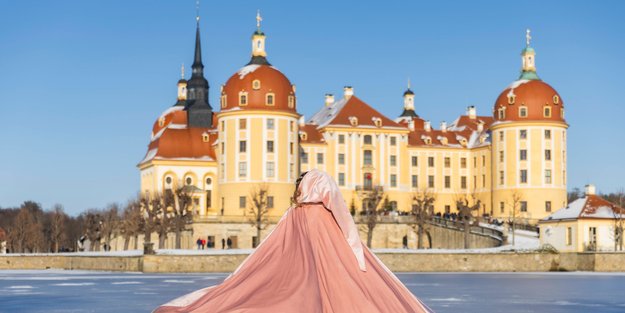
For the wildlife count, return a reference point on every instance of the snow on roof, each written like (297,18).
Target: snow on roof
(327,113)
(149,156)
(518,83)
(247,69)
(591,206)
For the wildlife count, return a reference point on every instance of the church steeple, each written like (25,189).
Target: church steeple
(528,58)
(199,111)
(259,55)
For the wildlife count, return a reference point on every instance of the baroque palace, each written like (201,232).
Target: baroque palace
(257,136)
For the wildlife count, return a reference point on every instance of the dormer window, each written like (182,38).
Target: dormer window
(443,140)
(562,113)
(547,111)
(511,98)
(205,137)
(242,98)
(223,101)
(427,140)
(270,99)
(304,136)
(161,121)
(291,102)
(463,142)
(523,111)
(556,99)
(353,120)
(501,113)
(256,84)
(377,121)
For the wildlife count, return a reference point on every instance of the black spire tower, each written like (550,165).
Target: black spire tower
(199,111)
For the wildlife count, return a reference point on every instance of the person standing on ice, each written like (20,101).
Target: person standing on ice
(312,262)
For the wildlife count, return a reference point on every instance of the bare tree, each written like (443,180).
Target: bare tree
(57,227)
(619,219)
(465,214)
(92,228)
(26,232)
(156,219)
(515,207)
(371,199)
(109,223)
(574,194)
(132,223)
(422,210)
(182,211)
(259,209)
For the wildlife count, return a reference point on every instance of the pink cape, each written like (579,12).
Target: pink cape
(310,263)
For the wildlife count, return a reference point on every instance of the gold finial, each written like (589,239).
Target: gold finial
(258,19)
(527,37)
(197,11)
(182,71)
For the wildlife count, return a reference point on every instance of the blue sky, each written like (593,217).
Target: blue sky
(81,82)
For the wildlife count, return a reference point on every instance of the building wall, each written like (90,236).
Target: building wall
(555,234)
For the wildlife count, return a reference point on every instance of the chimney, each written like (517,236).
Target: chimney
(590,189)
(411,125)
(329,99)
(302,121)
(480,126)
(427,126)
(444,126)
(348,92)
(471,112)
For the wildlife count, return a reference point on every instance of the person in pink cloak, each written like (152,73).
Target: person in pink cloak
(312,262)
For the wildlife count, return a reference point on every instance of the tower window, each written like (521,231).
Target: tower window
(205,137)
(556,99)
(224,101)
(523,134)
(501,156)
(547,176)
(547,134)
(547,112)
(242,169)
(242,146)
(511,98)
(447,182)
(523,112)
(501,112)
(523,206)
(341,179)
(341,158)
(256,84)
(523,155)
(501,178)
(501,137)
(270,146)
(242,123)
(291,102)
(269,99)
(242,98)
(161,121)
(393,160)
(523,176)
(393,180)
(270,124)
(415,181)
(270,169)
(548,154)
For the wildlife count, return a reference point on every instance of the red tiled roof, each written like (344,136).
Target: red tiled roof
(312,134)
(364,112)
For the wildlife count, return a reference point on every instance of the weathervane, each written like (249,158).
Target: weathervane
(182,71)
(258,19)
(197,11)
(408,82)
(527,37)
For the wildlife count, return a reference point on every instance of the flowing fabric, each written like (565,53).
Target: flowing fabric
(310,263)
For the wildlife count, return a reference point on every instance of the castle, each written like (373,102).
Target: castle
(257,136)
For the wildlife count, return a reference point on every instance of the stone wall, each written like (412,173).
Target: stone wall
(397,262)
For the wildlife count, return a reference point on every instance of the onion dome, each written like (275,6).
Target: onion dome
(529,98)
(258,85)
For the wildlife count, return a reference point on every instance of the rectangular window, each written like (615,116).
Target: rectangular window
(242,123)
(483,180)
(393,141)
(474,182)
(447,208)
(367,139)
(341,179)
(341,139)
(547,112)
(291,148)
(393,160)
(341,158)
(502,207)
(483,160)
(474,162)
(501,177)
(569,236)
(271,171)
(270,146)
(270,202)
(500,156)
(242,146)
(463,162)
(592,236)
(415,181)
(431,181)
(242,169)
(523,134)
(447,162)
(242,99)
(523,206)
(523,155)
(463,182)
(547,133)
(414,161)
(270,123)
(523,175)
(304,157)
(501,136)
(547,206)
(547,176)
(393,180)
(242,202)
(269,100)
(291,126)
(430,161)
(223,148)
(548,155)
(447,182)
(367,157)
(319,158)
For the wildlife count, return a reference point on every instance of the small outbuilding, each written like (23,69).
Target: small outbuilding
(590,223)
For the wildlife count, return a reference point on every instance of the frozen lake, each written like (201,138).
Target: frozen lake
(81,291)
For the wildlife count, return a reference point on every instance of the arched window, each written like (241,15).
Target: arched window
(242,98)
(270,99)
(547,112)
(523,111)
(188,180)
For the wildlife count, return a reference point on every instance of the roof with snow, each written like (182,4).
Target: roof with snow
(589,207)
